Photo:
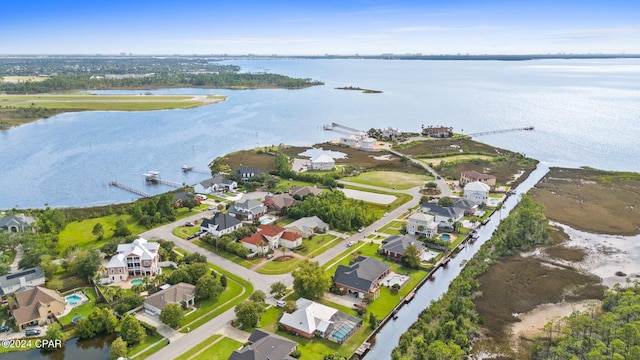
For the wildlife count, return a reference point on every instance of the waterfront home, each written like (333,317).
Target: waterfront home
(313,319)
(469,207)
(477,192)
(139,258)
(471,176)
(279,202)
(180,293)
(263,345)
(303,191)
(361,277)
(445,216)
(247,172)
(215,184)
(18,223)
(393,247)
(21,280)
(36,306)
(322,162)
(437,131)
(307,226)
(248,210)
(181,196)
(422,224)
(220,224)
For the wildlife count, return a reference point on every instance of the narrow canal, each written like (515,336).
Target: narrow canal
(389,336)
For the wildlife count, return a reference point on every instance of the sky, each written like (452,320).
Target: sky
(346,27)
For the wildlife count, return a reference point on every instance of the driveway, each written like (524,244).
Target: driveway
(163,329)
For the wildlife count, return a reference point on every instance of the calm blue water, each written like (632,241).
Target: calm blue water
(586,112)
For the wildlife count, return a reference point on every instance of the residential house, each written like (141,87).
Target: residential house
(390,133)
(139,258)
(422,224)
(471,176)
(393,247)
(367,143)
(313,319)
(445,216)
(181,196)
(220,224)
(263,345)
(361,277)
(304,191)
(322,162)
(477,192)
(350,140)
(18,223)
(175,294)
(36,306)
(215,184)
(307,226)
(470,208)
(247,173)
(438,131)
(248,210)
(271,237)
(22,280)
(279,202)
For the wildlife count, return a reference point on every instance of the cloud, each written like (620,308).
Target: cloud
(428,28)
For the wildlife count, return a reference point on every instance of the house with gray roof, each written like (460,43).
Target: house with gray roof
(470,208)
(314,319)
(445,216)
(263,345)
(22,280)
(139,258)
(393,247)
(302,191)
(279,202)
(248,210)
(307,226)
(422,224)
(361,277)
(248,172)
(175,294)
(215,184)
(220,224)
(18,223)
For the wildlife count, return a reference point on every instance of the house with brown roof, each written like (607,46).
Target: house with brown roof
(174,294)
(438,131)
(36,306)
(302,191)
(279,202)
(471,176)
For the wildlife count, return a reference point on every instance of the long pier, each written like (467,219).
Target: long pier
(167,182)
(129,189)
(528,128)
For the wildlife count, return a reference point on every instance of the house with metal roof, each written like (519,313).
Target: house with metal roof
(322,162)
(361,277)
(24,279)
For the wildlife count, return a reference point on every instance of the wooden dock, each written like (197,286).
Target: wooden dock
(363,349)
(129,189)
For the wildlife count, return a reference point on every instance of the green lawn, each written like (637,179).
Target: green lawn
(154,349)
(83,309)
(206,307)
(318,244)
(78,233)
(379,209)
(455,158)
(274,267)
(206,343)
(148,341)
(392,228)
(221,350)
(185,231)
(286,185)
(248,263)
(390,179)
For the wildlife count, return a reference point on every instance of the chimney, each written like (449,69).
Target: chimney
(23,281)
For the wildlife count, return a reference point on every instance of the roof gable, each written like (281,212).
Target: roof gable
(361,274)
(397,243)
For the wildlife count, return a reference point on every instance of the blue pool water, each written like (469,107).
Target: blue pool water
(136,282)
(493,201)
(77,318)
(267,220)
(445,237)
(73,299)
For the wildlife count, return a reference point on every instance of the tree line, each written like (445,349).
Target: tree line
(334,208)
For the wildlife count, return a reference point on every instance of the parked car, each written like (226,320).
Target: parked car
(189,223)
(191,237)
(269,256)
(361,229)
(4,328)
(280,303)
(351,243)
(32,332)
(212,207)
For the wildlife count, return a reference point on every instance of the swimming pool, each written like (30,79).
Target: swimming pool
(493,201)
(73,299)
(267,220)
(428,255)
(136,282)
(343,332)
(77,318)
(445,237)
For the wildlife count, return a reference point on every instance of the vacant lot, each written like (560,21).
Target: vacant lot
(390,179)
(592,200)
(455,158)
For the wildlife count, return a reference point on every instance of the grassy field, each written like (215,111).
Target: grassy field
(318,244)
(392,228)
(390,179)
(275,267)
(591,200)
(206,308)
(148,341)
(201,346)
(17,79)
(83,309)
(455,158)
(78,233)
(220,350)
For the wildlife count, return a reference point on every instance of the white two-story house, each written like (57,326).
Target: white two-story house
(140,258)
